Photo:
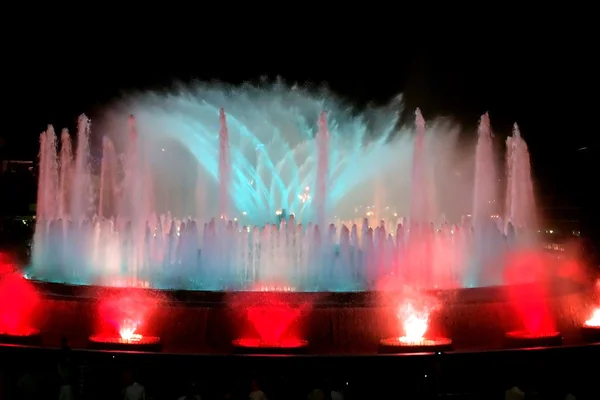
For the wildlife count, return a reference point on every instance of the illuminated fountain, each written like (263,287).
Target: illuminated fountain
(144,219)
(120,318)
(415,323)
(127,339)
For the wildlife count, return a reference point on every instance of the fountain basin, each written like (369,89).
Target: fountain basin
(397,345)
(256,346)
(337,323)
(29,337)
(117,343)
(525,339)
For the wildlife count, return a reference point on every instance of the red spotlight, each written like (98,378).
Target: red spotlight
(121,318)
(591,328)
(414,324)
(594,321)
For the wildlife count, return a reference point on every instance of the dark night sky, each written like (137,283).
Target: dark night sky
(540,74)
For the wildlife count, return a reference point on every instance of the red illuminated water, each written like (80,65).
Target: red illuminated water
(530,300)
(594,320)
(272,320)
(530,335)
(421,342)
(414,322)
(413,316)
(138,340)
(122,316)
(415,325)
(18,303)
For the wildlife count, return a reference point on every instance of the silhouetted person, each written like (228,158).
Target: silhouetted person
(316,394)
(336,395)
(337,392)
(29,384)
(65,371)
(514,393)
(135,391)
(322,391)
(255,391)
(192,393)
(64,345)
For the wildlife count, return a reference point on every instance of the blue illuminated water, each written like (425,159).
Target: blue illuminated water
(274,153)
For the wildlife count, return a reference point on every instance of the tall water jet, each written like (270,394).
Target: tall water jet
(420,209)
(66,174)
(520,201)
(108,192)
(47,201)
(419,263)
(136,199)
(200,195)
(484,193)
(82,190)
(224,167)
(320,200)
(47,193)
(486,235)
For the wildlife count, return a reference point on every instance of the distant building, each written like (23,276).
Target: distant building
(17,166)
(561,231)
(18,177)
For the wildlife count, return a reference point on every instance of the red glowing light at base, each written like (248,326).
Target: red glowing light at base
(594,321)
(404,345)
(18,303)
(591,328)
(415,322)
(121,318)
(135,342)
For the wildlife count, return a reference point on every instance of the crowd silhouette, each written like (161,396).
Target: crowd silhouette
(65,374)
